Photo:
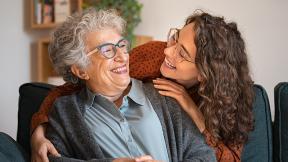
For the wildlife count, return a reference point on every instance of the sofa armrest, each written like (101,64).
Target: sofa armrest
(10,150)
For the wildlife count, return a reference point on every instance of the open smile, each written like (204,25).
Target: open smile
(120,70)
(169,64)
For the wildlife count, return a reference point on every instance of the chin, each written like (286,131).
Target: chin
(165,72)
(124,82)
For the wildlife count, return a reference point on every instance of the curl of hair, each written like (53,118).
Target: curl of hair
(226,87)
(67,46)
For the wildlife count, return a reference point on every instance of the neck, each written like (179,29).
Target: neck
(118,101)
(188,84)
(116,98)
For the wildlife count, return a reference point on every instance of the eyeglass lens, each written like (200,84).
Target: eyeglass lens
(109,50)
(172,37)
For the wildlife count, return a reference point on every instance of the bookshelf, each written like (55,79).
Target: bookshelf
(43,64)
(45,71)
(36,13)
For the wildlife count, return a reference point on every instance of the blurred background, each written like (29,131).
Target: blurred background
(263,23)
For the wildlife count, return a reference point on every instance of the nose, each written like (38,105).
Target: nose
(169,51)
(120,56)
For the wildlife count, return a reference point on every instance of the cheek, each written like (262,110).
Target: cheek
(188,72)
(98,67)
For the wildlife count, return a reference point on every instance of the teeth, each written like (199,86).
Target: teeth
(169,64)
(120,69)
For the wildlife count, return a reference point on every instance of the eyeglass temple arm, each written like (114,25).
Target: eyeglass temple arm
(93,51)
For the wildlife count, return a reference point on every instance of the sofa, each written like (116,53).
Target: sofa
(280,131)
(257,149)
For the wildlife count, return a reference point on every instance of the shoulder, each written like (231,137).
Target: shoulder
(64,100)
(69,102)
(166,104)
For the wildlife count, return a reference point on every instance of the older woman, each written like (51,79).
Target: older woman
(113,117)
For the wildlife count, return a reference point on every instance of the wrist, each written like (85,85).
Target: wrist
(39,132)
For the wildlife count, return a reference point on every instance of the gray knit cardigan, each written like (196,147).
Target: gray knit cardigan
(73,139)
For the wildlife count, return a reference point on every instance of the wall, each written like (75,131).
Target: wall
(16,57)
(263,24)
(14,62)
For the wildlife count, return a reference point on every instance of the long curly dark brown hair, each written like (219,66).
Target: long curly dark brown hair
(226,88)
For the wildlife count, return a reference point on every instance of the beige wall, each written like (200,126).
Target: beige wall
(264,25)
(14,62)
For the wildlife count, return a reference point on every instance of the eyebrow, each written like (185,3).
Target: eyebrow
(181,43)
(105,43)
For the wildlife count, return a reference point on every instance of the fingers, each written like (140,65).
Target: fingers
(40,156)
(160,81)
(170,94)
(52,150)
(123,160)
(44,157)
(163,87)
(169,88)
(40,148)
(42,153)
(143,158)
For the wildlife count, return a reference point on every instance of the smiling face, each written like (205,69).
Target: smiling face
(109,77)
(177,68)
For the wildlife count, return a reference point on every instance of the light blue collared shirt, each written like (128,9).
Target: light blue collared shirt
(132,130)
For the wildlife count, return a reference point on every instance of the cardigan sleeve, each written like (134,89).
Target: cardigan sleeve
(224,153)
(145,61)
(195,149)
(56,132)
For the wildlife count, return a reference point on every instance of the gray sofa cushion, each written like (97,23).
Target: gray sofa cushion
(281,122)
(10,150)
(259,145)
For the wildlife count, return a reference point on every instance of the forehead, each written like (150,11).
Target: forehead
(187,32)
(186,38)
(96,38)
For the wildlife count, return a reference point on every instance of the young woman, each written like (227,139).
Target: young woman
(206,64)
(208,54)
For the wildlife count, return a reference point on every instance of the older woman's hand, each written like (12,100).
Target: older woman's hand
(41,146)
(178,92)
(144,158)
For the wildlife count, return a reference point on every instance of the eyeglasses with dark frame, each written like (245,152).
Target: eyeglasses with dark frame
(108,50)
(180,50)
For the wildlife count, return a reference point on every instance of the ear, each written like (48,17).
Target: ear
(199,78)
(80,73)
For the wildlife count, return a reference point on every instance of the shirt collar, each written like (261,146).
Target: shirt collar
(136,93)
(90,96)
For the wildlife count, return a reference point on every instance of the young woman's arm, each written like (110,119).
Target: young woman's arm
(223,152)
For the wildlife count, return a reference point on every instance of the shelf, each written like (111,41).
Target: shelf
(75,6)
(44,66)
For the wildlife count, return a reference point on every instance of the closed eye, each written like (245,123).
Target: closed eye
(122,45)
